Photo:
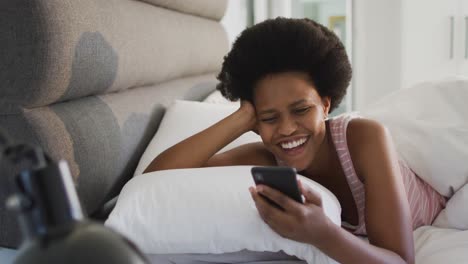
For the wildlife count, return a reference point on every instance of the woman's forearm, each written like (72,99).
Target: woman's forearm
(196,150)
(345,248)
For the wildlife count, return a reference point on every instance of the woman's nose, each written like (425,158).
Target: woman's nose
(287,126)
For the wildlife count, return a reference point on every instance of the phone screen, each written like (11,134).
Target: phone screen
(282,179)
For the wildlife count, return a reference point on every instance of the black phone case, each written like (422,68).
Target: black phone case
(282,179)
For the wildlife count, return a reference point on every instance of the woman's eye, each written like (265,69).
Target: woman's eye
(302,110)
(268,120)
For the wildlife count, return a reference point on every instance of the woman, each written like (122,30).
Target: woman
(289,75)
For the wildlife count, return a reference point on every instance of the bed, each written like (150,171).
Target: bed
(90,82)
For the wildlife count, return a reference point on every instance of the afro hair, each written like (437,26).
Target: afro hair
(286,45)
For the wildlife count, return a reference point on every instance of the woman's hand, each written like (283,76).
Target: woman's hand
(305,223)
(247,112)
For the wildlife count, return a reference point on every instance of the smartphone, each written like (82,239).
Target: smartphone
(282,179)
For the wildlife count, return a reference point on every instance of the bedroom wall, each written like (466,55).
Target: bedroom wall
(376,44)
(235,19)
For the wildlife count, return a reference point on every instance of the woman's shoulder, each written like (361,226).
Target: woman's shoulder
(355,127)
(365,136)
(361,130)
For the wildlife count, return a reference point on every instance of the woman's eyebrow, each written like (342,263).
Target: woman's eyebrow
(270,111)
(298,102)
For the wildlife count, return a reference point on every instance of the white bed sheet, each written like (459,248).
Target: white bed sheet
(435,245)
(241,257)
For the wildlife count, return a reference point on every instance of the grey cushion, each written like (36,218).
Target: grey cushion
(56,50)
(101,137)
(212,9)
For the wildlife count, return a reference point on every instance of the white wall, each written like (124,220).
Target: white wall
(281,8)
(235,18)
(376,49)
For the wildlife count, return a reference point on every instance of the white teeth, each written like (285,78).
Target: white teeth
(293,144)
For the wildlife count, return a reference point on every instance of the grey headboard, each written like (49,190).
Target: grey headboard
(89,80)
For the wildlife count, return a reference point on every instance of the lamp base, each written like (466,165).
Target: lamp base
(84,242)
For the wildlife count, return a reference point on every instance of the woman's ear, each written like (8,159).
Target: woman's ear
(326,102)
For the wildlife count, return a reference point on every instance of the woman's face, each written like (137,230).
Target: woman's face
(291,117)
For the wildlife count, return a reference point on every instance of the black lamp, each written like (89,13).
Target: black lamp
(50,215)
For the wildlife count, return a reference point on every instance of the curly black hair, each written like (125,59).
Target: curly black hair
(286,45)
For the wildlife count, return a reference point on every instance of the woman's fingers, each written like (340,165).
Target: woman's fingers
(279,198)
(311,195)
(267,211)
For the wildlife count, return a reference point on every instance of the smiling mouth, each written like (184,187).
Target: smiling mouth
(294,146)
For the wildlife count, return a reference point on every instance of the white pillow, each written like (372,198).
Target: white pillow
(436,245)
(429,126)
(455,214)
(205,210)
(217,98)
(184,119)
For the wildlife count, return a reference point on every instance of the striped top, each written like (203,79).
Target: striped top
(425,203)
